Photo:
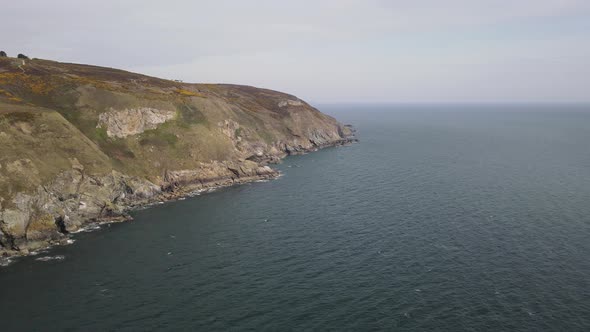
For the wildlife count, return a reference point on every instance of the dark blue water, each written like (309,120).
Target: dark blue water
(443,218)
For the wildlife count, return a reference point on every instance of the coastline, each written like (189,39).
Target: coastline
(167,194)
(83,144)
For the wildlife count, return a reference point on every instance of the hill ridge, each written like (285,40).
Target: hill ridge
(82,143)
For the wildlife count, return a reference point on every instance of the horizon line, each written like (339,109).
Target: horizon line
(571,103)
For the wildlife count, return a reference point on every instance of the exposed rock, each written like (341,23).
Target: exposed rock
(217,174)
(347,131)
(127,122)
(14,222)
(231,129)
(43,227)
(59,171)
(3,240)
(289,102)
(24,127)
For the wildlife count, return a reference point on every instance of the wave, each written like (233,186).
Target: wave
(50,258)
(5,261)
(87,228)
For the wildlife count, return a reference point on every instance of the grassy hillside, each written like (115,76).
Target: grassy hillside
(59,119)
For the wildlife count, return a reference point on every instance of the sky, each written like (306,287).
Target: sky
(326,51)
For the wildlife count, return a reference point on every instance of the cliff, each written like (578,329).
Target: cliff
(83,144)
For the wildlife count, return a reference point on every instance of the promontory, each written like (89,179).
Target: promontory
(82,144)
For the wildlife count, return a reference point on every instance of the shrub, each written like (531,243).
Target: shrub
(3,54)
(22,56)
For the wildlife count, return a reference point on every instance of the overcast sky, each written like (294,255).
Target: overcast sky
(326,50)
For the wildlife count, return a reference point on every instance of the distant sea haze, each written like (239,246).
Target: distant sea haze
(444,217)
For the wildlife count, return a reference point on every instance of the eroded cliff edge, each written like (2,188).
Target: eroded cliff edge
(82,144)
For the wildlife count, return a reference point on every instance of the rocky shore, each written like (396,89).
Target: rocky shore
(98,200)
(83,144)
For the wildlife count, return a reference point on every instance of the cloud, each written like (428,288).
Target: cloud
(347,49)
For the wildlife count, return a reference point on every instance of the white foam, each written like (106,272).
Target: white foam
(5,261)
(88,228)
(50,258)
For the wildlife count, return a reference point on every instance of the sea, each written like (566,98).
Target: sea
(466,217)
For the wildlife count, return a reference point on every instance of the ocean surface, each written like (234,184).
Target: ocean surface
(454,217)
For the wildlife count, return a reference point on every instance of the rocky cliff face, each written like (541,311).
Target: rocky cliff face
(133,121)
(81,143)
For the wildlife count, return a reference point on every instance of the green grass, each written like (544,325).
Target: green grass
(101,134)
(158,138)
(116,148)
(189,115)
(267,137)
(44,153)
(80,93)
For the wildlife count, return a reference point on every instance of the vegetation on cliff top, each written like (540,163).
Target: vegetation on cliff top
(81,143)
(49,114)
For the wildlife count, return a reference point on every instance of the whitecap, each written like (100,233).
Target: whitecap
(108,223)
(88,228)
(50,258)
(37,252)
(5,261)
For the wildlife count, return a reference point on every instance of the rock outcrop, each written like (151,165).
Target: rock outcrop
(288,102)
(133,121)
(82,144)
